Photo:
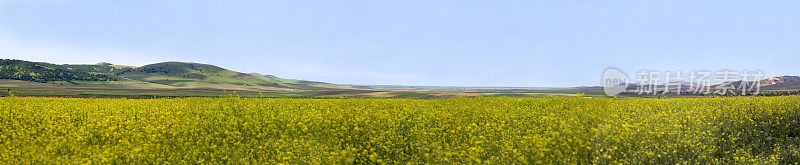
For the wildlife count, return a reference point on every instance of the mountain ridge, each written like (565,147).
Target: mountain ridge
(170,73)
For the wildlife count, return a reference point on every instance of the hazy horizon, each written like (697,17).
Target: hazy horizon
(414,43)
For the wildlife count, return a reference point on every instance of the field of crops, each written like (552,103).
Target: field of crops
(562,130)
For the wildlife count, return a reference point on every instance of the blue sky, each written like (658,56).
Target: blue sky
(540,43)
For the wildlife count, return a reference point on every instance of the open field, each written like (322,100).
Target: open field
(499,130)
(127,88)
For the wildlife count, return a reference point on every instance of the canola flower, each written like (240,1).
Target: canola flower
(564,130)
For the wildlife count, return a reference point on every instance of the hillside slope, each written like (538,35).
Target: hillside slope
(782,86)
(45,72)
(780,80)
(158,75)
(184,74)
(303,84)
(99,68)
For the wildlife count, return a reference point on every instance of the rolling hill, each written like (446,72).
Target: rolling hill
(298,83)
(158,75)
(45,72)
(773,83)
(780,80)
(792,83)
(183,74)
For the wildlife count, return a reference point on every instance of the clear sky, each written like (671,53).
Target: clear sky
(536,43)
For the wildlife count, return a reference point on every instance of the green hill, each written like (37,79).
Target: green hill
(159,75)
(184,74)
(45,72)
(99,68)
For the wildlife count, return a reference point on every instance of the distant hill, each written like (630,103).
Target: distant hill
(781,83)
(773,83)
(45,72)
(298,83)
(184,74)
(99,68)
(783,86)
(158,75)
(780,80)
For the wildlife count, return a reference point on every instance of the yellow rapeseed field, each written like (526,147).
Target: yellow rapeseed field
(564,130)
